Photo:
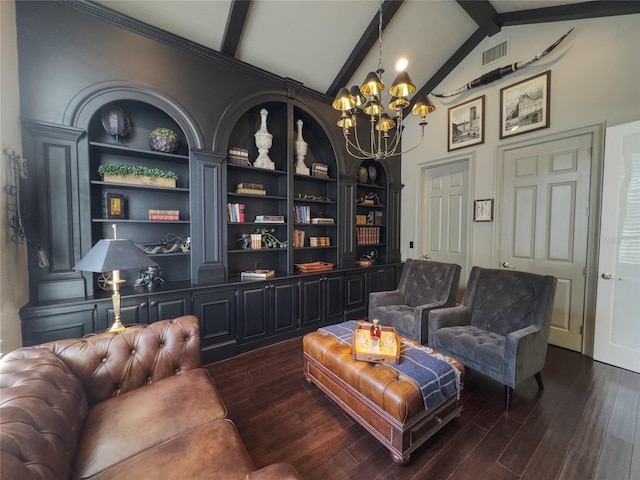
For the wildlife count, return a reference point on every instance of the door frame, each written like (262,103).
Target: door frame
(597,132)
(423,167)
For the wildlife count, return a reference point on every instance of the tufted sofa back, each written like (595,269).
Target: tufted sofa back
(46,391)
(504,301)
(425,281)
(108,365)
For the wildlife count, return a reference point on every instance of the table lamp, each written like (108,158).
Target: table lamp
(113,255)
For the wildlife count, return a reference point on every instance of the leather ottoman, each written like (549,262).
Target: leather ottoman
(386,403)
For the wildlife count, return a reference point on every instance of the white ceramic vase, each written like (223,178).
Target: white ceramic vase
(263,142)
(301,151)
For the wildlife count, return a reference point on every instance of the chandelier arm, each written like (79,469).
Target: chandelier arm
(363,155)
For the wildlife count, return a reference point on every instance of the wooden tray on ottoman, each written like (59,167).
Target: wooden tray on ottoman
(389,345)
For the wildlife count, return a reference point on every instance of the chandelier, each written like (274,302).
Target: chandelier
(366,100)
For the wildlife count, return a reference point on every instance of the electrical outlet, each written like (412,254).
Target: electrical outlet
(410,244)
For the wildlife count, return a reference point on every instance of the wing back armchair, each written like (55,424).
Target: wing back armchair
(501,328)
(424,286)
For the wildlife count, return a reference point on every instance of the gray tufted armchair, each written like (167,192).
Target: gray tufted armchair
(501,329)
(424,285)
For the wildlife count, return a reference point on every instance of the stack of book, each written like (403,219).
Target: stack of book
(235,212)
(302,214)
(323,221)
(251,188)
(298,238)
(164,215)
(239,156)
(257,274)
(367,235)
(319,170)
(269,219)
(361,219)
(320,241)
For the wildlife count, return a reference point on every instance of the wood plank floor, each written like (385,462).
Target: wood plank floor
(585,424)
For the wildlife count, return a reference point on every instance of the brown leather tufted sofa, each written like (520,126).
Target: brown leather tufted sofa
(132,405)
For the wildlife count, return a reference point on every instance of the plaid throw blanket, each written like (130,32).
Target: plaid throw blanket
(435,376)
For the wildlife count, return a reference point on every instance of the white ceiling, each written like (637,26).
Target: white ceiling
(310,40)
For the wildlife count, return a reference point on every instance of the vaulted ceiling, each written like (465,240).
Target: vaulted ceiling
(327,44)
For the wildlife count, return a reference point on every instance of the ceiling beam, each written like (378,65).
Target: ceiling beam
(483,13)
(574,11)
(364,45)
(235,25)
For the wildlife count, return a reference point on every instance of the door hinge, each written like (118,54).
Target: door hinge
(584,272)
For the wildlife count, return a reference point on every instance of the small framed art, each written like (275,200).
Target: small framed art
(114,205)
(483,210)
(525,106)
(466,124)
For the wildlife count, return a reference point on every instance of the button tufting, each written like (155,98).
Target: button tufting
(133,352)
(104,360)
(161,345)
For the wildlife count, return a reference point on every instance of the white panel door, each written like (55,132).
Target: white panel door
(617,329)
(544,224)
(445,214)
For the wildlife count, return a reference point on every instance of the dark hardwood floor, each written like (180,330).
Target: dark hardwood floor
(585,424)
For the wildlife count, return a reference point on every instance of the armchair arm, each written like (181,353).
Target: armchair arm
(108,364)
(525,352)
(276,471)
(448,317)
(379,299)
(421,316)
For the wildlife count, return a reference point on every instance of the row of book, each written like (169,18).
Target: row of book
(319,241)
(319,170)
(269,219)
(251,188)
(302,214)
(164,215)
(235,212)
(239,156)
(367,235)
(298,238)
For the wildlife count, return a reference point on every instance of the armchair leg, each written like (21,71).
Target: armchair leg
(539,380)
(509,395)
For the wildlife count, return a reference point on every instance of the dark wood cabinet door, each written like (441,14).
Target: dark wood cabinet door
(284,306)
(253,312)
(355,295)
(311,289)
(49,324)
(333,294)
(162,307)
(216,311)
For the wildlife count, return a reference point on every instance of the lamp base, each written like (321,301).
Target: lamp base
(117,326)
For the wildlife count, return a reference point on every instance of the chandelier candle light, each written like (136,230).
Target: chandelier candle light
(382,144)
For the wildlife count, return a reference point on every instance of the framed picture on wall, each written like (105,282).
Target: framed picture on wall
(483,210)
(525,106)
(466,124)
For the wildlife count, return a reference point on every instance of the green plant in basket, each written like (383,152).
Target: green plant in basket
(134,170)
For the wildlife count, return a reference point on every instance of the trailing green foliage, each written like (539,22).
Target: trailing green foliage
(138,171)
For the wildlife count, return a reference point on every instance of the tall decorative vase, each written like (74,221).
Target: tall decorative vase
(263,142)
(301,151)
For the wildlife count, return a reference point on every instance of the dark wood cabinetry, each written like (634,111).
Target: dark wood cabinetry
(266,309)
(65,143)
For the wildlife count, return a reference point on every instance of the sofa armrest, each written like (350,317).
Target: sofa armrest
(379,299)
(525,351)
(448,317)
(109,364)
(277,471)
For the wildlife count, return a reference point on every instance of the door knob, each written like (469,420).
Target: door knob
(508,265)
(426,257)
(607,276)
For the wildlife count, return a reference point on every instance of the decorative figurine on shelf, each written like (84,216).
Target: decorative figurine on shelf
(116,122)
(269,240)
(373,174)
(263,142)
(149,276)
(301,151)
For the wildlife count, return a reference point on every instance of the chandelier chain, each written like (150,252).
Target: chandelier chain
(380,66)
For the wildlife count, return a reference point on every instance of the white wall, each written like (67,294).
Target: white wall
(595,78)
(14,290)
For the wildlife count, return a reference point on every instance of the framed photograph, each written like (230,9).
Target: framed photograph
(483,210)
(466,124)
(525,106)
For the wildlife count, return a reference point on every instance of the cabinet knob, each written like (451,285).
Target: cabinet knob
(143,305)
(154,303)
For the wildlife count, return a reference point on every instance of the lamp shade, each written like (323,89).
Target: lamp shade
(114,254)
